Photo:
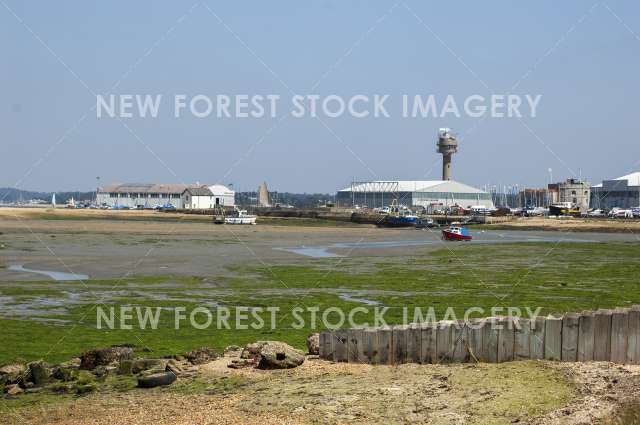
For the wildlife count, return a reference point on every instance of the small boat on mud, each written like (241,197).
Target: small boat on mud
(398,216)
(241,218)
(455,233)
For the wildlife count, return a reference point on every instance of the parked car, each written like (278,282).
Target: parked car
(596,213)
(620,213)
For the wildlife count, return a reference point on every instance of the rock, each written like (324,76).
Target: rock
(39,372)
(86,383)
(101,371)
(65,374)
(13,389)
(233,351)
(104,356)
(156,380)
(174,366)
(125,367)
(313,344)
(140,365)
(201,355)
(273,355)
(67,371)
(242,363)
(12,373)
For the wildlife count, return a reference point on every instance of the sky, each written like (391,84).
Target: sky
(581,57)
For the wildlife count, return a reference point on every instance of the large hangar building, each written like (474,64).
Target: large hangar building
(430,194)
(623,192)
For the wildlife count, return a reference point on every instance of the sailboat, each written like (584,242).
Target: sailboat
(53,200)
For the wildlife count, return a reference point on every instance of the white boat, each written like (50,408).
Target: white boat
(241,218)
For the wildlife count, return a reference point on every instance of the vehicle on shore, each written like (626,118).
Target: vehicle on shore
(596,213)
(621,213)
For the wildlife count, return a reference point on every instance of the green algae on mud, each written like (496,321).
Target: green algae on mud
(56,321)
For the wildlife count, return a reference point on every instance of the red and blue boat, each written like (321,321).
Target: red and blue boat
(455,233)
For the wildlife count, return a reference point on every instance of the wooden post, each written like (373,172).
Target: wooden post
(570,335)
(619,335)
(490,339)
(475,340)
(326,345)
(399,344)
(428,344)
(602,336)
(368,345)
(353,349)
(553,338)
(521,344)
(340,346)
(536,340)
(585,336)
(460,342)
(506,335)
(414,350)
(444,341)
(633,344)
(383,346)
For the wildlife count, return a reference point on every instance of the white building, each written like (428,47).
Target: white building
(223,196)
(429,194)
(135,195)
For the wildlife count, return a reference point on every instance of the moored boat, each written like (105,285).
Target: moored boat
(399,221)
(241,218)
(455,233)
(398,216)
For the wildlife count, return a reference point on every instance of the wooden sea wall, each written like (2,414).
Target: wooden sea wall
(603,335)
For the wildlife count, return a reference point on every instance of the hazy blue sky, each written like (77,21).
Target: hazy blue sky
(578,54)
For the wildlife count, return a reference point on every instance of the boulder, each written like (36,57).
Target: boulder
(140,365)
(12,373)
(86,383)
(156,380)
(65,373)
(273,355)
(125,367)
(233,351)
(39,372)
(201,355)
(101,371)
(13,389)
(313,344)
(104,356)
(242,363)
(175,367)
